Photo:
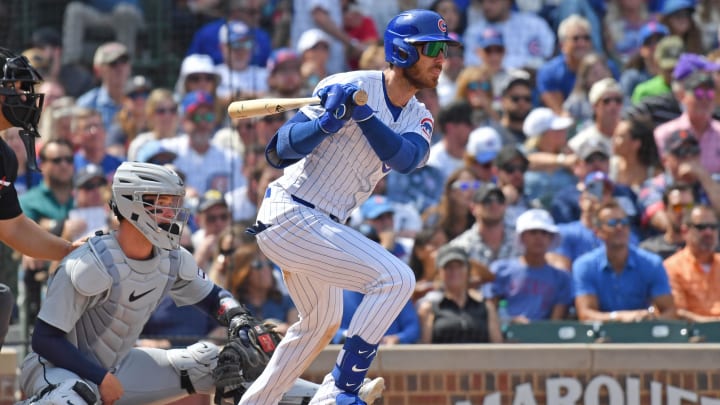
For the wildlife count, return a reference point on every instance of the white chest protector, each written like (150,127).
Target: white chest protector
(124,294)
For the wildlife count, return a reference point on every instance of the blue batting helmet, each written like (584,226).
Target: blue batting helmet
(408,28)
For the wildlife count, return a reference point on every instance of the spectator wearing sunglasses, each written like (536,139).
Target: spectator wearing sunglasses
(682,163)
(206,166)
(491,52)
(489,238)
(452,214)
(132,119)
(91,212)
(482,147)
(88,137)
(512,163)
(516,101)
(112,65)
(694,272)
(617,282)
(557,77)
(239,79)
(162,120)
(698,101)
(213,218)
(606,99)
(678,200)
(474,85)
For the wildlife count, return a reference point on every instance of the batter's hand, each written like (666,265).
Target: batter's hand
(111,389)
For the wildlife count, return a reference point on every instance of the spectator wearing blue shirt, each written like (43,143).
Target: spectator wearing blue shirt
(404,329)
(579,237)
(617,282)
(556,78)
(205,40)
(534,290)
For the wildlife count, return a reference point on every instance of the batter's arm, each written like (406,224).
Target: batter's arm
(402,152)
(26,236)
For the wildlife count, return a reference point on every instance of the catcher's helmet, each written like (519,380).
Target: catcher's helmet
(135,190)
(21,105)
(408,28)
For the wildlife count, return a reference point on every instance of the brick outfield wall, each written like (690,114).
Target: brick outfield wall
(613,374)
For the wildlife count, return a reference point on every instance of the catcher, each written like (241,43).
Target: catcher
(103,293)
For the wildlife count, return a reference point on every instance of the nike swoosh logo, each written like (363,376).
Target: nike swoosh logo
(358,370)
(349,385)
(134,297)
(385,168)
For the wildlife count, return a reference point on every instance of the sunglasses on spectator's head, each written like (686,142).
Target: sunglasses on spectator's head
(433,49)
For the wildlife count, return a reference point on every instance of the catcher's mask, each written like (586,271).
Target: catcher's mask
(21,106)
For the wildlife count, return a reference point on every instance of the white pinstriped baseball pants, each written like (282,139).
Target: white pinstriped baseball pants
(320,258)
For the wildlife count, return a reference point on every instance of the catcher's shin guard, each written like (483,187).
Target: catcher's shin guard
(355,359)
(195,364)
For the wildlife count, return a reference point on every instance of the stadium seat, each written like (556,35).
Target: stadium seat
(645,332)
(551,332)
(706,332)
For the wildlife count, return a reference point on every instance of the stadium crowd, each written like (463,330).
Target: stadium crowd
(574,174)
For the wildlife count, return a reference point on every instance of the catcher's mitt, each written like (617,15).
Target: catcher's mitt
(244,356)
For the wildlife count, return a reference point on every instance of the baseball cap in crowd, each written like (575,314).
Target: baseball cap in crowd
(236,34)
(138,85)
(653,28)
(543,119)
(155,152)
(310,38)
(487,190)
(698,80)
(281,57)
(448,253)
(87,174)
(514,77)
(195,99)
(689,63)
(593,145)
(210,199)
(483,144)
(110,52)
(536,219)
(603,87)
(672,6)
(46,36)
(375,206)
(667,51)
(508,153)
(491,36)
(681,138)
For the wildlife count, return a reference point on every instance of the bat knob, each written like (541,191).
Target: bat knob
(360,97)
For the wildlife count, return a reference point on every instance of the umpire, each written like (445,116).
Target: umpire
(20,107)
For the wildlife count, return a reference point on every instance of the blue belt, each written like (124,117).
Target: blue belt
(311,205)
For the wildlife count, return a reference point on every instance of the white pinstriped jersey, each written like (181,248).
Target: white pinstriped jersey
(342,171)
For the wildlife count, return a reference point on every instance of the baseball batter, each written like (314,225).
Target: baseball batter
(103,293)
(334,155)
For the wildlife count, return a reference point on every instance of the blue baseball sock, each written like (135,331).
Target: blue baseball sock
(354,364)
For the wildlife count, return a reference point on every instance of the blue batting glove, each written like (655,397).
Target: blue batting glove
(329,123)
(362,113)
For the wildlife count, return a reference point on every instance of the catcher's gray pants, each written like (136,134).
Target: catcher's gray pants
(147,376)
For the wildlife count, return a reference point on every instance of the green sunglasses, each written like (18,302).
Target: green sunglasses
(207,117)
(433,49)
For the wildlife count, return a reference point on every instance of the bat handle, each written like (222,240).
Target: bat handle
(360,97)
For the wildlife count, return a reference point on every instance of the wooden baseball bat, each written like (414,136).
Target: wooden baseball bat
(266,106)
